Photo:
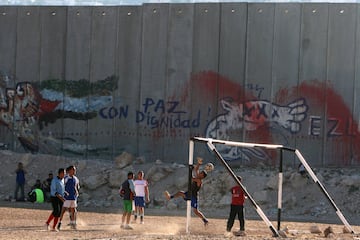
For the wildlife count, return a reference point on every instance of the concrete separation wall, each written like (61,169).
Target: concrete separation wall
(97,81)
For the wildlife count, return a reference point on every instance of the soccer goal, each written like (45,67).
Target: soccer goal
(210,143)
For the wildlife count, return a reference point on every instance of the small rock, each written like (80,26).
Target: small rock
(315,229)
(286,229)
(328,231)
(282,234)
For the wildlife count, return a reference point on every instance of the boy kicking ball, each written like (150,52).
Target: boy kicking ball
(195,187)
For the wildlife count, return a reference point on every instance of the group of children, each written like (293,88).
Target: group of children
(138,190)
(64,191)
(135,195)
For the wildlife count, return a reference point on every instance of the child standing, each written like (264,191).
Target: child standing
(20,182)
(128,195)
(141,196)
(237,208)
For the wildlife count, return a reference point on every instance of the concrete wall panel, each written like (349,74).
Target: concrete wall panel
(129,37)
(52,67)
(341,52)
(285,70)
(53,35)
(28,44)
(8,20)
(153,79)
(204,84)
(77,68)
(313,61)
(178,74)
(102,79)
(260,40)
(233,41)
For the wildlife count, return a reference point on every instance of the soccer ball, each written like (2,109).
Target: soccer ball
(209,167)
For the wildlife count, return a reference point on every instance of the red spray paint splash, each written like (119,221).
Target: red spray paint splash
(321,95)
(208,85)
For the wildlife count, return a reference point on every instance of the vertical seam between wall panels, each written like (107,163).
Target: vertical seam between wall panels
(192,80)
(219,57)
(246,63)
(272,77)
(326,86)
(166,70)
(140,71)
(40,41)
(116,72)
(15,69)
(352,160)
(300,65)
(167,52)
(40,23)
(90,73)
(64,72)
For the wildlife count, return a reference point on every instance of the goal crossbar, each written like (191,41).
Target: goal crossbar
(210,142)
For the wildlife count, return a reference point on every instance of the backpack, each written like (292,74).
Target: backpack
(32,196)
(122,192)
(125,185)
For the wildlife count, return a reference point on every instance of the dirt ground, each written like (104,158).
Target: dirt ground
(27,221)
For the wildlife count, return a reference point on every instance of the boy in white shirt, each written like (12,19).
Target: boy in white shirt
(141,195)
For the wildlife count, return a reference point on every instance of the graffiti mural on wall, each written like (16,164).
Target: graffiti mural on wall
(250,116)
(28,108)
(315,116)
(19,109)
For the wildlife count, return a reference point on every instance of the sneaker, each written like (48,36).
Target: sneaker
(58,226)
(141,222)
(240,233)
(167,195)
(128,227)
(47,226)
(54,230)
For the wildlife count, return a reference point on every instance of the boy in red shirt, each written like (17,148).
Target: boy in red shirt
(237,208)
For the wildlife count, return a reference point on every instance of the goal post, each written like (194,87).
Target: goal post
(210,143)
(191,167)
(317,181)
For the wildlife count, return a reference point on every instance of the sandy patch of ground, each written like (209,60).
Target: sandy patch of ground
(26,221)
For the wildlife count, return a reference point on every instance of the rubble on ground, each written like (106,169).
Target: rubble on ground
(101,179)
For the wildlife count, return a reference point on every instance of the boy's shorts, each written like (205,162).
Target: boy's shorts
(194,200)
(140,201)
(128,206)
(70,204)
